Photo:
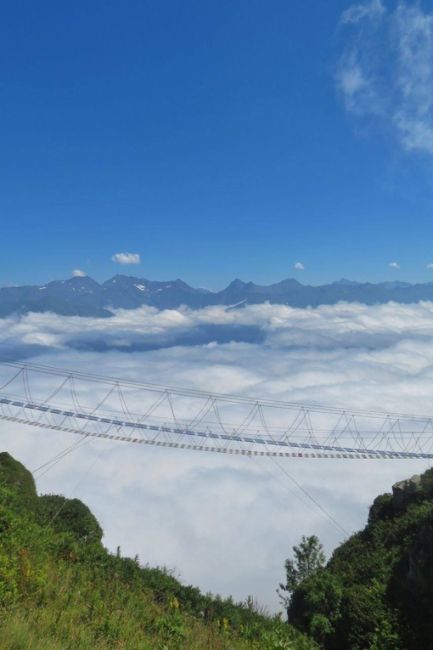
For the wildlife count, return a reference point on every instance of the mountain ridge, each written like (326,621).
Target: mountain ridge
(84,296)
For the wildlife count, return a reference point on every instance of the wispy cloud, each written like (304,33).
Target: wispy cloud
(394,265)
(299,266)
(355,13)
(78,273)
(429,265)
(126,258)
(386,69)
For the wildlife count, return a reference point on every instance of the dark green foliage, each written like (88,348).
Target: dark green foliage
(308,558)
(60,589)
(316,604)
(381,508)
(427,483)
(69,515)
(14,475)
(376,592)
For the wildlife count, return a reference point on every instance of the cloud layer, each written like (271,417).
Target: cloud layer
(341,326)
(227,524)
(386,69)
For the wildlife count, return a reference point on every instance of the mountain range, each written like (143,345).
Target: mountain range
(83,296)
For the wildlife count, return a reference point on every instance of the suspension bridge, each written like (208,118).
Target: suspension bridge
(94,406)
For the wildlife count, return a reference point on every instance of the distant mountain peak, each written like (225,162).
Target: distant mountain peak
(82,280)
(395,284)
(83,296)
(288,282)
(347,283)
(237,284)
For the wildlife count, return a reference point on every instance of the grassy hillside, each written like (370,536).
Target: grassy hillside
(61,590)
(376,593)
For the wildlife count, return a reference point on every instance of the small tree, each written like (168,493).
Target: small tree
(308,558)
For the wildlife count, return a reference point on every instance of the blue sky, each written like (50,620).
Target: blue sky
(216,140)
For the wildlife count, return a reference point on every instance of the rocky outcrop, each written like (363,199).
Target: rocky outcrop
(406,492)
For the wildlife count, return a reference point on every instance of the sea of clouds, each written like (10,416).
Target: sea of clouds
(227,524)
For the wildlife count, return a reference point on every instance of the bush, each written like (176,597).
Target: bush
(69,515)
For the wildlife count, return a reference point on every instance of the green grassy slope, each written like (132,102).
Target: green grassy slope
(61,590)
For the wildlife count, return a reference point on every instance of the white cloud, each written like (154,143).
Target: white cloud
(386,70)
(277,326)
(394,265)
(185,510)
(355,13)
(77,273)
(356,87)
(126,258)
(352,81)
(298,266)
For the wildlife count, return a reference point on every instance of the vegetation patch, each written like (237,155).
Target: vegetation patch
(376,591)
(60,589)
